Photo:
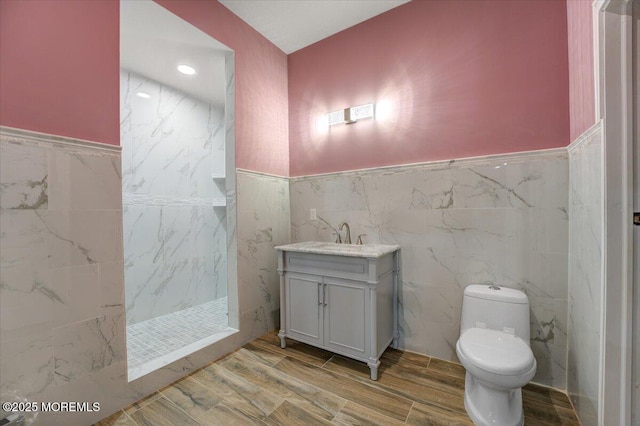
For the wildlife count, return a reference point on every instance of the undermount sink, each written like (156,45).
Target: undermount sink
(353,250)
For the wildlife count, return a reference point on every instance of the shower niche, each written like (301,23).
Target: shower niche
(178,187)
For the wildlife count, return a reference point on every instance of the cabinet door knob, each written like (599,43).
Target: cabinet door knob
(320,294)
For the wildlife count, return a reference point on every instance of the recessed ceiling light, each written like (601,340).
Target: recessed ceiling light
(143,95)
(186,69)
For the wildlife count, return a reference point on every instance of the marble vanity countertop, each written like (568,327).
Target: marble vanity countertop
(335,249)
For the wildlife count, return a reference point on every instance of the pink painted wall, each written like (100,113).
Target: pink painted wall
(59,64)
(262,133)
(59,73)
(581,67)
(459,79)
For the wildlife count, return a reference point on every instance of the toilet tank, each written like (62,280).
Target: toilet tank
(497,308)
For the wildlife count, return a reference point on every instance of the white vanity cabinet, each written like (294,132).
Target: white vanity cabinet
(341,298)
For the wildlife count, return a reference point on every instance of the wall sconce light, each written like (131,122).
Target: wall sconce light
(350,115)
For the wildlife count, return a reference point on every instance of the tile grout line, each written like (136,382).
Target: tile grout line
(302,381)
(250,402)
(428,364)
(374,387)
(127,417)
(190,376)
(274,410)
(346,401)
(326,362)
(413,403)
(179,408)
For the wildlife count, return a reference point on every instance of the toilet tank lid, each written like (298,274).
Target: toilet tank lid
(497,293)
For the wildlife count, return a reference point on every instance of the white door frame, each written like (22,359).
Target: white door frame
(635,340)
(614,105)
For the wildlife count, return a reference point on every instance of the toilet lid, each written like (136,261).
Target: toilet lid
(496,352)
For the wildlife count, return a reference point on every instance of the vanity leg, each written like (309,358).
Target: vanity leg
(373,365)
(396,271)
(283,300)
(283,342)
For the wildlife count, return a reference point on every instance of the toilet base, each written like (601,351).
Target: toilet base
(492,407)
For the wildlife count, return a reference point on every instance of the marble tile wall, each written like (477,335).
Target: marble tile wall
(61,262)
(585,273)
(263,223)
(174,240)
(501,219)
(62,326)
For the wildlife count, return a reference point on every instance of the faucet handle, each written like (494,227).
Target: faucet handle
(359,240)
(338,238)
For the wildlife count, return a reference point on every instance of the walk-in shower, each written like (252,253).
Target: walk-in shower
(177,176)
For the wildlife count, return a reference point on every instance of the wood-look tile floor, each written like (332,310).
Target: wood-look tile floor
(262,384)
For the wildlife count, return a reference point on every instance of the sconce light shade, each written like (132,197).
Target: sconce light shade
(350,115)
(362,111)
(335,117)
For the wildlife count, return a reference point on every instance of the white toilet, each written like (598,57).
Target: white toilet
(494,348)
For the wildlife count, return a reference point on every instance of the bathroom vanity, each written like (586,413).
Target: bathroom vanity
(340,297)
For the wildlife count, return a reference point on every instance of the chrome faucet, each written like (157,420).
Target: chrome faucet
(347,238)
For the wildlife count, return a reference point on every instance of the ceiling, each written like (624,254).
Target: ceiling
(153,41)
(294,24)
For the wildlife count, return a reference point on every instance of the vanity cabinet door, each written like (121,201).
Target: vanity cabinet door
(304,308)
(345,317)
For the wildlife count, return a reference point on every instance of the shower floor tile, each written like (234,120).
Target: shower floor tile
(157,342)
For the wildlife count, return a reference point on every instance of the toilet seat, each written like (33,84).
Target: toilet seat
(496,352)
(498,358)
